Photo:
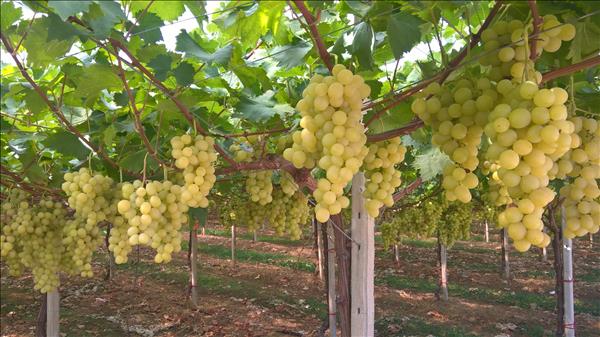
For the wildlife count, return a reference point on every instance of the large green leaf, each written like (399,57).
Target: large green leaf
(431,163)
(187,45)
(291,56)
(9,14)
(96,78)
(184,74)
(64,9)
(161,65)
(49,38)
(362,46)
(67,144)
(166,10)
(135,162)
(103,16)
(148,28)
(403,32)
(261,108)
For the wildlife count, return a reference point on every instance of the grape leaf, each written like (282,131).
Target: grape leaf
(161,65)
(362,46)
(64,9)
(431,163)
(9,15)
(403,32)
(291,56)
(187,45)
(261,108)
(67,144)
(184,74)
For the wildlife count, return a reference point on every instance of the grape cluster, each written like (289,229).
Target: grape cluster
(90,195)
(582,164)
(287,183)
(288,212)
(332,136)
(258,183)
(418,221)
(34,236)
(154,214)
(80,239)
(511,37)
(529,131)
(457,113)
(455,223)
(196,157)
(382,178)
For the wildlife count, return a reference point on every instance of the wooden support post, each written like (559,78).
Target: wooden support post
(40,329)
(343,249)
(52,314)
(443,259)
(362,263)
(544,251)
(397,254)
(193,263)
(505,248)
(569,321)
(110,263)
(233,245)
(331,296)
(487,231)
(320,263)
(254,236)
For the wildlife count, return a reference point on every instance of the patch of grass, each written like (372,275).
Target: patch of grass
(592,276)
(532,330)
(246,255)
(520,299)
(249,236)
(73,323)
(414,326)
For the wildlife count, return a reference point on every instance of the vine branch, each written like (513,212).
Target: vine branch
(537,22)
(311,21)
(573,68)
(407,190)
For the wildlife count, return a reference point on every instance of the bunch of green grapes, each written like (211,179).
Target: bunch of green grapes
(154,214)
(90,195)
(457,113)
(382,178)
(511,37)
(421,220)
(288,212)
(196,157)
(332,137)
(118,241)
(455,223)
(582,195)
(252,215)
(528,131)
(259,184)
(79,240)
(287,183)
(497,193)
(33,238)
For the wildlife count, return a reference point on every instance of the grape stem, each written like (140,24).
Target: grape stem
(314,32)
(54,108)
(537,21)
(407,190)
(573,68)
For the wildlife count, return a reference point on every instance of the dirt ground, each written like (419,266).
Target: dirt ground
(267,293)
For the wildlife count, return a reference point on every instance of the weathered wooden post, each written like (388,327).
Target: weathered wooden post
(362,263)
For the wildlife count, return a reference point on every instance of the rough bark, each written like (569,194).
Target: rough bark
(342,248)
